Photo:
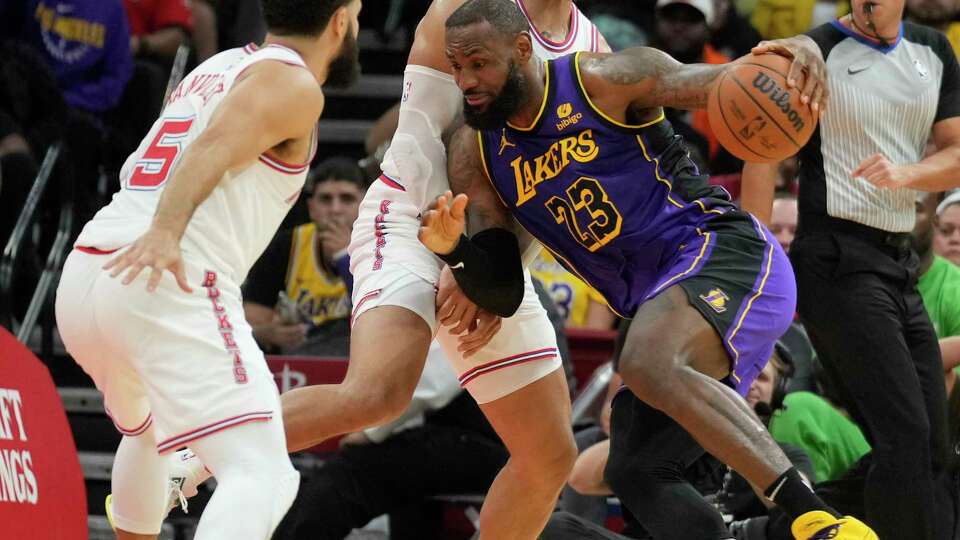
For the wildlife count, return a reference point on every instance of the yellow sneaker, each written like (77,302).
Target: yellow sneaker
(109,509)
(819,525)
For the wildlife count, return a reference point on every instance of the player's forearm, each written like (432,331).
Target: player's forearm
(937,172)
(756,189)
(201,169)
(489,270)
(586,478)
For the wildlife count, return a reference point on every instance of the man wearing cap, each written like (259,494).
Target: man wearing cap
(946,239)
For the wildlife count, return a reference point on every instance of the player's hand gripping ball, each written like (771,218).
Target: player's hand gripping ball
(753,113)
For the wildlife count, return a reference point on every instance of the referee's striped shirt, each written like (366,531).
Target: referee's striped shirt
(882,99)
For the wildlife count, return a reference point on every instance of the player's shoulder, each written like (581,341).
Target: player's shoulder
(286,81)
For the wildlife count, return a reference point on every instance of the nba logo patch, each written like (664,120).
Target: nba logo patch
(921,69)
(716,299)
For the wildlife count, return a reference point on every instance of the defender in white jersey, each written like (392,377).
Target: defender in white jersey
(201,197)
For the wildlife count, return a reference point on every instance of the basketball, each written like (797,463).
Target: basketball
(754,115)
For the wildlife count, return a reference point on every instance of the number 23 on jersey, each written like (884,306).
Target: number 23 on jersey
(153,167)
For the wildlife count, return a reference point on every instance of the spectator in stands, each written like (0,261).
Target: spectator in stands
(309,266)
(682,31)
(783,219)
(939,14)
(946,239)
(239,22)
(831,440)
(87,44)
(32,117)
(578,303)
(158,27)
(939,286)
(206,33)
(395,468)
(731,33)
(776,19)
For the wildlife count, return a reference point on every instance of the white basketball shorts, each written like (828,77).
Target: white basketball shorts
(187,363)
(392,268)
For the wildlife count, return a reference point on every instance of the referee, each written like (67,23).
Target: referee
(892,84)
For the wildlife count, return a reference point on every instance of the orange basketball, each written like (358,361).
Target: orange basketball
(753,114)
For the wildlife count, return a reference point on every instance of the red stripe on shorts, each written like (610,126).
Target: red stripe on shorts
(94,251)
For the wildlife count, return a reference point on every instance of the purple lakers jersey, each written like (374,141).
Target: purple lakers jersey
(615,202)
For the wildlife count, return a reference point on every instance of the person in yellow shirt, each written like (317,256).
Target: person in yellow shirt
(579,304)
(297,293)
(777,19)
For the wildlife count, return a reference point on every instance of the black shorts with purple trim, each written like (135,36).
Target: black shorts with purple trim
(738,277)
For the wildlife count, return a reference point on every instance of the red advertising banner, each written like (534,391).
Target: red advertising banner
(41,485)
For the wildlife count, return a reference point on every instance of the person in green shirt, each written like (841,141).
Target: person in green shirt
(831,440)
(804,419)
(939,286)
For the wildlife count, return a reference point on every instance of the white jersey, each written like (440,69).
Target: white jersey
(233,226)
(582,36)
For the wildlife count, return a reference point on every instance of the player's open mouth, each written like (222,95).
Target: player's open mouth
(477,100)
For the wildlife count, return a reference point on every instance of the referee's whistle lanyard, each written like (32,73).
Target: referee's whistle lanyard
(868,13)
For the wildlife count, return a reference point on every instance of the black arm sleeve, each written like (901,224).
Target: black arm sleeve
(269,275)
(489,270)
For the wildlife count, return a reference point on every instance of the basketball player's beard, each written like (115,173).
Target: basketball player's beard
(344,70)
(501,108)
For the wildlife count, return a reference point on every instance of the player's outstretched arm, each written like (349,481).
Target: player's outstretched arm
(487,265)
(645,78)
(273,103)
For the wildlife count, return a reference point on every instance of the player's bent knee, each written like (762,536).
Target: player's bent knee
(549,470)
(376,404)
(652,386)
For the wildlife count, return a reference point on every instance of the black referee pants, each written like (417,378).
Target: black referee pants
(859,302)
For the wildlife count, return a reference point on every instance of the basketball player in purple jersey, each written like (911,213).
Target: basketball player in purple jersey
(578,151)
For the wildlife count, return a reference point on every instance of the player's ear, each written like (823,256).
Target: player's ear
(523,46)
(341,21)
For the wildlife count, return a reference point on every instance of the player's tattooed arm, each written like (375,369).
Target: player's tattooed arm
(467,175)
(644,78)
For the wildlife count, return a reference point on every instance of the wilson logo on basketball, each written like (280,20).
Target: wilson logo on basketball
(779,97)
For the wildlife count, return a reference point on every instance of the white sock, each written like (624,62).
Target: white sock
(188,471)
